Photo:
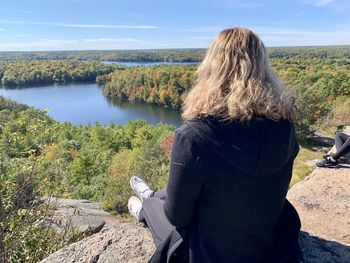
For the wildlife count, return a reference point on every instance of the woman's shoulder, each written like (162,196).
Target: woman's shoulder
(195,131)
(186,130)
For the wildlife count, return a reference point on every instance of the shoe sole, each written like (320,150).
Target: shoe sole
(332,166)
(328,166)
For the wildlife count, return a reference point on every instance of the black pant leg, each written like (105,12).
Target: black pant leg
(153,215)
(342,144)
(160,194)
(339,139)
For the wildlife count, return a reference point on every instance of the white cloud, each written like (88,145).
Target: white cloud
(285,36)
(17,10)
(243,3)
(36,44)
(322,2)
(1,29)
(104,26)
(21,22)
(198,29)
(94,40)
(23,35)
(274,36)
(75,44)
(203,37)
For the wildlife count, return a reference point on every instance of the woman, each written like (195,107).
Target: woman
(342,146)
(231,164)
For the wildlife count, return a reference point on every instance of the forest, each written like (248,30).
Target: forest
(321,87)
(24,73)
(159,85)
(168,55)
(41,157)
(151,55)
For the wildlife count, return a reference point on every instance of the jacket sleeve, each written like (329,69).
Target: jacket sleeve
(184,184)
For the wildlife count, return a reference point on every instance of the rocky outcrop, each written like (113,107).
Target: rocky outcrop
(79,215)
(322,200)
(125,242)
(320,140)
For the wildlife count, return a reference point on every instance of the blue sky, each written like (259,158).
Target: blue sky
(137,24)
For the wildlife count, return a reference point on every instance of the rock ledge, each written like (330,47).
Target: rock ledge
(322,201)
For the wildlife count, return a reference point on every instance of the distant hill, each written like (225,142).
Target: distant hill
(152,55)
(170,55)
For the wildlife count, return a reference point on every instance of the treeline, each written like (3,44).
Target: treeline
(330,52)
(151,55)
(42,157)
(169,55)
(159,85)
(21,73)
(321,86)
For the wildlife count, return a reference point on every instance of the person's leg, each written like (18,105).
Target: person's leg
(342,144)
(339,139)
(160,194)
(153,215)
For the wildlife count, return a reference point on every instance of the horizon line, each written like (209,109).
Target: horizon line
(154,49)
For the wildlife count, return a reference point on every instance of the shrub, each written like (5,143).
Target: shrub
(117,191)
(23,236)
(338,116)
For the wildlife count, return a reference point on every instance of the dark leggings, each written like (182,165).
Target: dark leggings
(342,144)
(152,214)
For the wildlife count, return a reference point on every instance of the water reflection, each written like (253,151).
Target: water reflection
(85,104)
(152,113)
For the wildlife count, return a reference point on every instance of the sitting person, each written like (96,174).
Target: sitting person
(230,166)
(342,146)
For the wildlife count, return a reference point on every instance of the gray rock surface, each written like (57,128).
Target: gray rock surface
(322,149)
(312,163)
(321,141)
(322,201)
(79,215)
(346,129)
(125,242)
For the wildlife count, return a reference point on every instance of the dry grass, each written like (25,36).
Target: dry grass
(301,168)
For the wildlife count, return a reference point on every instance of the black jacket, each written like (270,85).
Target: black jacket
(227,186)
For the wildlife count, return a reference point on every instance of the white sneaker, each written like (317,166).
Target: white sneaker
(140,188)
(135,206)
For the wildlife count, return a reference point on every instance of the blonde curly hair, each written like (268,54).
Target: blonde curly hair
(236,81)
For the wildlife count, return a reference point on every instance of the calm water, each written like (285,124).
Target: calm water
(85,104)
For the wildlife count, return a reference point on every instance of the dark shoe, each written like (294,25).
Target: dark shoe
(327,163)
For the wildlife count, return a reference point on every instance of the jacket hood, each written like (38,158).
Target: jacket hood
(258,146)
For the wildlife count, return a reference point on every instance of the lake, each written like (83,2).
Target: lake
(84,103)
